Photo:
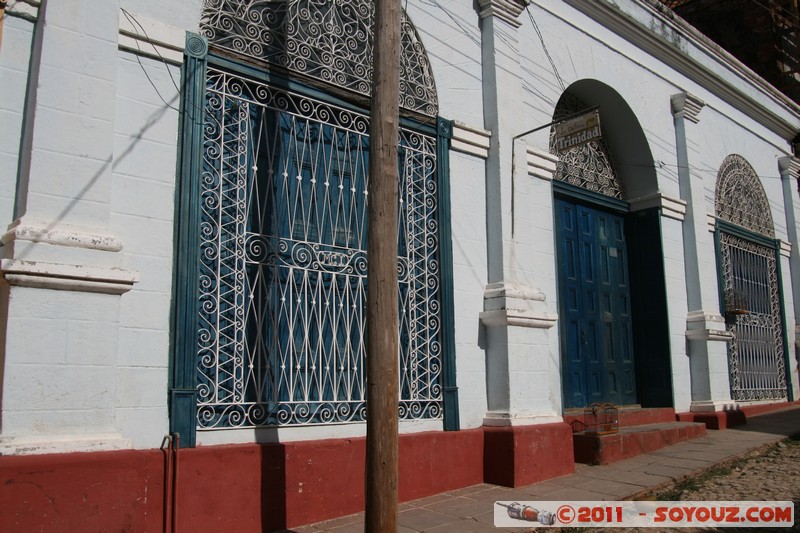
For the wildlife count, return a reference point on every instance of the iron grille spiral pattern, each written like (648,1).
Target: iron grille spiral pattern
(588,166)
(740,198)
(326,40)
(283,262)
(756,360)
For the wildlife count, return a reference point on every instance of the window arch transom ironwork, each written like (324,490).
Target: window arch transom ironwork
(327,40)
(740,198)
(589,166)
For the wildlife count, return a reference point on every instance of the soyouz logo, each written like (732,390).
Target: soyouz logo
(644,514)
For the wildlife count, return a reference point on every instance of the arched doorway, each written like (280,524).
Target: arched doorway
(609,344)
(749,287)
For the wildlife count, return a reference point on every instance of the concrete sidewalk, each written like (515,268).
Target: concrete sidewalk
(471,509)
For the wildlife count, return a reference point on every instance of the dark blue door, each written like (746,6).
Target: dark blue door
(594,304)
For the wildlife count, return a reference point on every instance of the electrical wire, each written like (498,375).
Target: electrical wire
(544,47)
(131,19)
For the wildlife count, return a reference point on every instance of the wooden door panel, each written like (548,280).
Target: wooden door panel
(595,304)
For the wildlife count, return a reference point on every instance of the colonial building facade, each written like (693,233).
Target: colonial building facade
(184,269)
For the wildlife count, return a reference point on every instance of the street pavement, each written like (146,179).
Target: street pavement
(471,509)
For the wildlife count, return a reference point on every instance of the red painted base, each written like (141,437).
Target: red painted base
(240,488)
(735,417)
(521,455)
(632,441)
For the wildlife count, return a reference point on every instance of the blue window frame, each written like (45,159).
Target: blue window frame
(272,193)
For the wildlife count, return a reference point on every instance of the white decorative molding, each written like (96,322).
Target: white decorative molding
(777,118)
(33,445)
(670,207)
(506,419)
(470,140)
(506,304)
(515,317)
(507,10)
(708,335)
(508,292)
(711,221)
(786,248)
(42,275)
(24,9)
(706,326)
(789,167)
(541,164)
(149,37)
(687,105)
(61,236)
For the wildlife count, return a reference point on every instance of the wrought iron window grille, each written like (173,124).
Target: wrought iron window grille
(750,287)
(283,261)
(279,323)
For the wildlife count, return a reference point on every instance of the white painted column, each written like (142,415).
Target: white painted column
(789,168)
(61,270)
(521,345)
(705,326)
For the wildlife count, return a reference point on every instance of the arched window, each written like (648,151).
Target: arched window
(750,290)
(279,316)
(740,198)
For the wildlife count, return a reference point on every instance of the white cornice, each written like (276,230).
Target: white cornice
(611,15)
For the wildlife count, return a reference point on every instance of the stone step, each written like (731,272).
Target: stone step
(632,440)
(627,417)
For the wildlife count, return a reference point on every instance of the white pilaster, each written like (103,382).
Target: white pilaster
(62,275)
(789,168)
(706,335)
(521,343)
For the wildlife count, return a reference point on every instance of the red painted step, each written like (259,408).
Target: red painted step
(632,440)
(627,417)
(735,417)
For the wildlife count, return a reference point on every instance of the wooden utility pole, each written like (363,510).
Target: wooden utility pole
(2,17)
(382,294)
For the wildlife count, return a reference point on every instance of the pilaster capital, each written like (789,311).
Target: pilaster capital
(686,105)
(506,10)
(789,167)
